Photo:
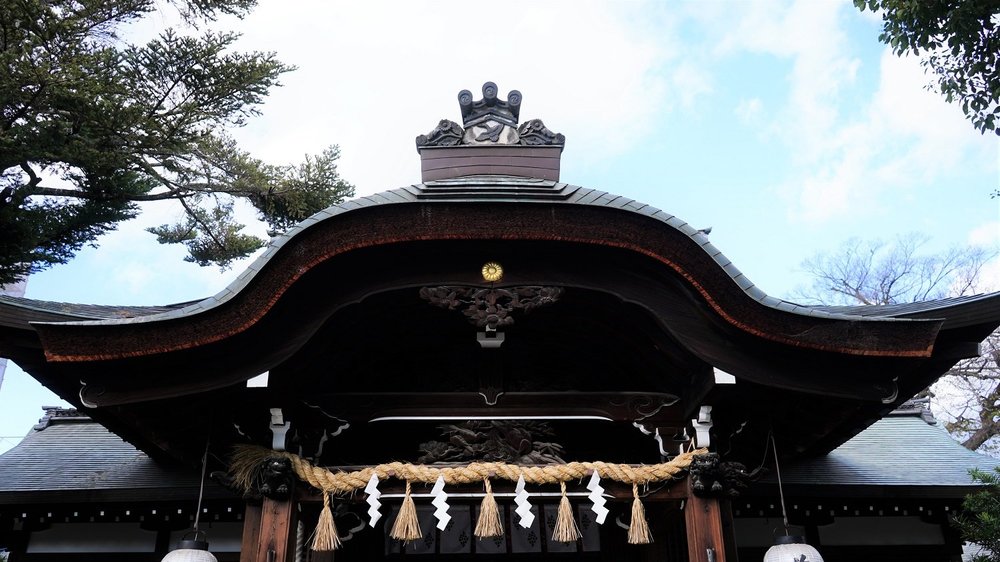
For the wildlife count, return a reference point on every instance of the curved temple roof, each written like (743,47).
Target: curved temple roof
(482,189)
(492,191)
(486,189)
(498,209)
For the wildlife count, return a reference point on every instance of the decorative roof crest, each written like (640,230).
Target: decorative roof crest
(490,107)
(58,413)
(490,121)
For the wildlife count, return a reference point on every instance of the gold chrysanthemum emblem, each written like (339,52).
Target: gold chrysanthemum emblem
(492,272)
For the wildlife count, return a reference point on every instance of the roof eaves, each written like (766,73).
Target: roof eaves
(495,189)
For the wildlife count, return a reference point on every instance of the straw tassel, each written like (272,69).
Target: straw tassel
(565,529)
(407,526)
(489,523)
(326,537)
(638,529)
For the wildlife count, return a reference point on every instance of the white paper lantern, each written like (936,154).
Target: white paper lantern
(792,549)
(191,550)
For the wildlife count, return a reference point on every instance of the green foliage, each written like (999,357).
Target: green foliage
(90,126)
(211,235)
(960,44)
(980,522)
(300,191)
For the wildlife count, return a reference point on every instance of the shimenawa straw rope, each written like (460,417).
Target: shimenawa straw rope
(248,458)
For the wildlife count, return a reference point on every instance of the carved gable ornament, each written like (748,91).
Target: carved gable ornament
(490,121)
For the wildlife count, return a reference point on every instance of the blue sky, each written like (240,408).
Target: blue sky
(783,125)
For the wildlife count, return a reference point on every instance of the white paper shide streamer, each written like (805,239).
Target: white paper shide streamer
(523,507)
(440,501)
(597,496)
(373,495)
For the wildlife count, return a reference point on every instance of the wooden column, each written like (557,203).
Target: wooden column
(277,531)
(251,533)
(269,532)
(703,523)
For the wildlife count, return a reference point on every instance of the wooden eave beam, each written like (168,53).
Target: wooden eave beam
(613,406)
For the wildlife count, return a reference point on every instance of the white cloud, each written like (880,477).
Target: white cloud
(130,267)
(809,35)
(373,75)
(847,159)
(937,135)
(905,138)
(986,234)
(989,278)
(691,82)
(748,111)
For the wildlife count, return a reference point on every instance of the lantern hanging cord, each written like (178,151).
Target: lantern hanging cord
(201,487)
(781,491)
(767,451)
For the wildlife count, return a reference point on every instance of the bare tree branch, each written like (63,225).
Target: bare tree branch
(967,398)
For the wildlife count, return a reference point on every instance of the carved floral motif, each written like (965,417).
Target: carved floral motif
(447,133)
(510,441)
(490,307)
(535,133)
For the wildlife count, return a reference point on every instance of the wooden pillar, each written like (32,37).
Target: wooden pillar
(269,532)
(703,523)
(251,533)
(277,531)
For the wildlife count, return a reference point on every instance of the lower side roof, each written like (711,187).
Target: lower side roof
(67,452)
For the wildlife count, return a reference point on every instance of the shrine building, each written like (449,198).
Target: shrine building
(488,363)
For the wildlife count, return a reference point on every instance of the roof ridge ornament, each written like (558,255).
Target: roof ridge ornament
(490,107)
(490,121)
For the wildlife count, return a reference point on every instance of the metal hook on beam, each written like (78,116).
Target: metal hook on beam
(279,429)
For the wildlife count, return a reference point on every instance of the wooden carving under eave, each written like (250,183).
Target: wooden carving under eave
(271,477)
(509,441)
(712,478)
(490,308)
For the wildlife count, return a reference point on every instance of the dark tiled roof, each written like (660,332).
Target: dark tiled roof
(70,452)
(899,309)
(903,450)
(961,309)
(86,311)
